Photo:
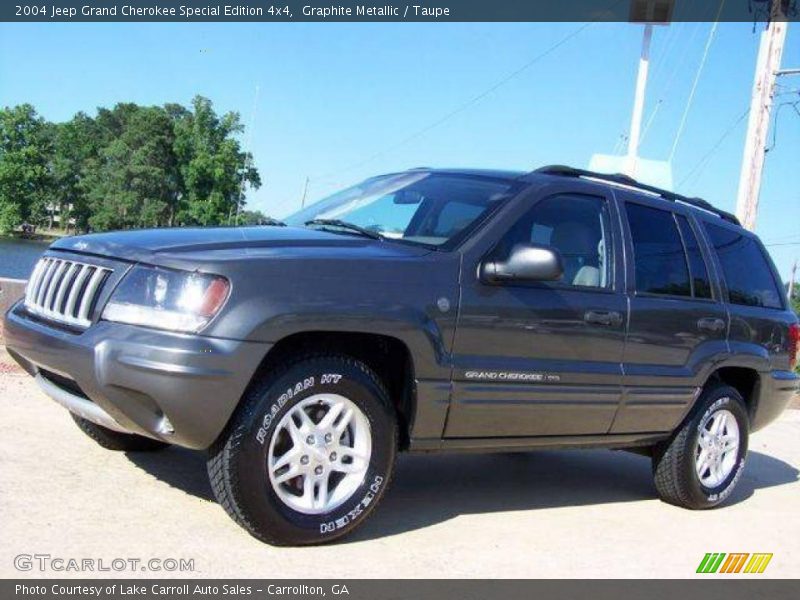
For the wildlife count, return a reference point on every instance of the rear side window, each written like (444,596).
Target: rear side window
(657,252)
(746,269)
(697,266)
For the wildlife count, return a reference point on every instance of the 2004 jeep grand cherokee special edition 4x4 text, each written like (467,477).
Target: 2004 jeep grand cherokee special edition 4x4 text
(429,310)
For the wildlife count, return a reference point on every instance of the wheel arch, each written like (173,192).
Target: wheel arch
(388,356)
(745,380)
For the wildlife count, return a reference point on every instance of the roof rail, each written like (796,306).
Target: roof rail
(621,179)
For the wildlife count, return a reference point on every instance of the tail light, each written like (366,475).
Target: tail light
(794,342)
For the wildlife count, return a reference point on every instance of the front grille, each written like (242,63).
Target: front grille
(65,291)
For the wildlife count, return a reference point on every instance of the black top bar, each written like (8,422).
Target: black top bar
(621,179)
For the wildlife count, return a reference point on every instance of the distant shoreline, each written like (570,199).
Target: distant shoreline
(47,236)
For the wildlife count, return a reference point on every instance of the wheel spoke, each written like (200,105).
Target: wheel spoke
(306,424)
(344,421)
(290,474)
(322,493)
(356,464)
(703,465)
(718,475)
(308,492)
(334,411)
(294,432)
(284,460)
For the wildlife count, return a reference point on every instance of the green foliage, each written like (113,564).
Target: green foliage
(252,217)
(130,166)
(25,151)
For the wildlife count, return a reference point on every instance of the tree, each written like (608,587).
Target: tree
(213,168)
(252,217)
(25,152)
(76,147)
(134,181)
(130,166)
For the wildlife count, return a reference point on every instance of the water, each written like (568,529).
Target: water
(17,257)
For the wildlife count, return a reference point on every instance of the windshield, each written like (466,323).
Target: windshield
(418,207)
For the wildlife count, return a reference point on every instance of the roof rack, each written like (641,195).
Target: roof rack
(621,179)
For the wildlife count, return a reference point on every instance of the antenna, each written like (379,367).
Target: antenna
(247,146)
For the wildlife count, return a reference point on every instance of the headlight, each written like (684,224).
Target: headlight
(166,299)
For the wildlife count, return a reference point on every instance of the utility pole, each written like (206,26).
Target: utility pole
(768,65)
(638,103)
(791,279)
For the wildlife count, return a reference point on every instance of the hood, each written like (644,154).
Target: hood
(149,244)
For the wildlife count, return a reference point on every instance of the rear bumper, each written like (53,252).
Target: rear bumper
(778,388)
(178,388)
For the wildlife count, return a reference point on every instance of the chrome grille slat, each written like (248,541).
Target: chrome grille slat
(30,292)
(42,287)
(73,285)
(55,281)
(77,285)
(88,295)
(62,288)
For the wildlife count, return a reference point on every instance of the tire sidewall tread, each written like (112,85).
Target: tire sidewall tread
(674,461)
(237,462)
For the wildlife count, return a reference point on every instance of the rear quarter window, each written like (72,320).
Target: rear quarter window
(745,267)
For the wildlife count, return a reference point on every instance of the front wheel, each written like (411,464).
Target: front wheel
(308,454)
(702,463)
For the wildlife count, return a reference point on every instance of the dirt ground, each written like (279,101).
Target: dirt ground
(546,514)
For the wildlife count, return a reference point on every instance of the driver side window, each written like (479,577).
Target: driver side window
(577,225)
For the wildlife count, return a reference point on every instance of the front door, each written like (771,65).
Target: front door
(543,358)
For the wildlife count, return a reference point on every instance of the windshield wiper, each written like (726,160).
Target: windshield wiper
(339,224)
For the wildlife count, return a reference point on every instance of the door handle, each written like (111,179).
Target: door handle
(609,318)
(714,325)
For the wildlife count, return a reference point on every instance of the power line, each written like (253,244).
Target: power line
(670,80)
(703,162)
(709,41)
(469,103)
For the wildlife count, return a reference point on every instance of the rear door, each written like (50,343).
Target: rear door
(678,322)
(543,358)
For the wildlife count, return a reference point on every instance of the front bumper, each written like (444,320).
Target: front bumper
(178,388)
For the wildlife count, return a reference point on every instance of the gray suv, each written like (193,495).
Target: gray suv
(428,311)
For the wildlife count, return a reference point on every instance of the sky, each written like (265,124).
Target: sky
(338,102)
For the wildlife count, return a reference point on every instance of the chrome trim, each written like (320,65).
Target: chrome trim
(53,280)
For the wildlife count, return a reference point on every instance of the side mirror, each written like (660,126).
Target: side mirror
(525,262)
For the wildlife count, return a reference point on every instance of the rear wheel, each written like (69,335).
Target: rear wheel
(309,453)
(114,440)
(702,463)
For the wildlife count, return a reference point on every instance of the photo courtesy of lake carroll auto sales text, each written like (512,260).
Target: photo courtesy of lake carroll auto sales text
(439,300)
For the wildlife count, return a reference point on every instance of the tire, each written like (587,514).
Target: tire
(676,462)
(114,440)
(259,433)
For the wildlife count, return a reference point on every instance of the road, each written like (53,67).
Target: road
(546,514)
